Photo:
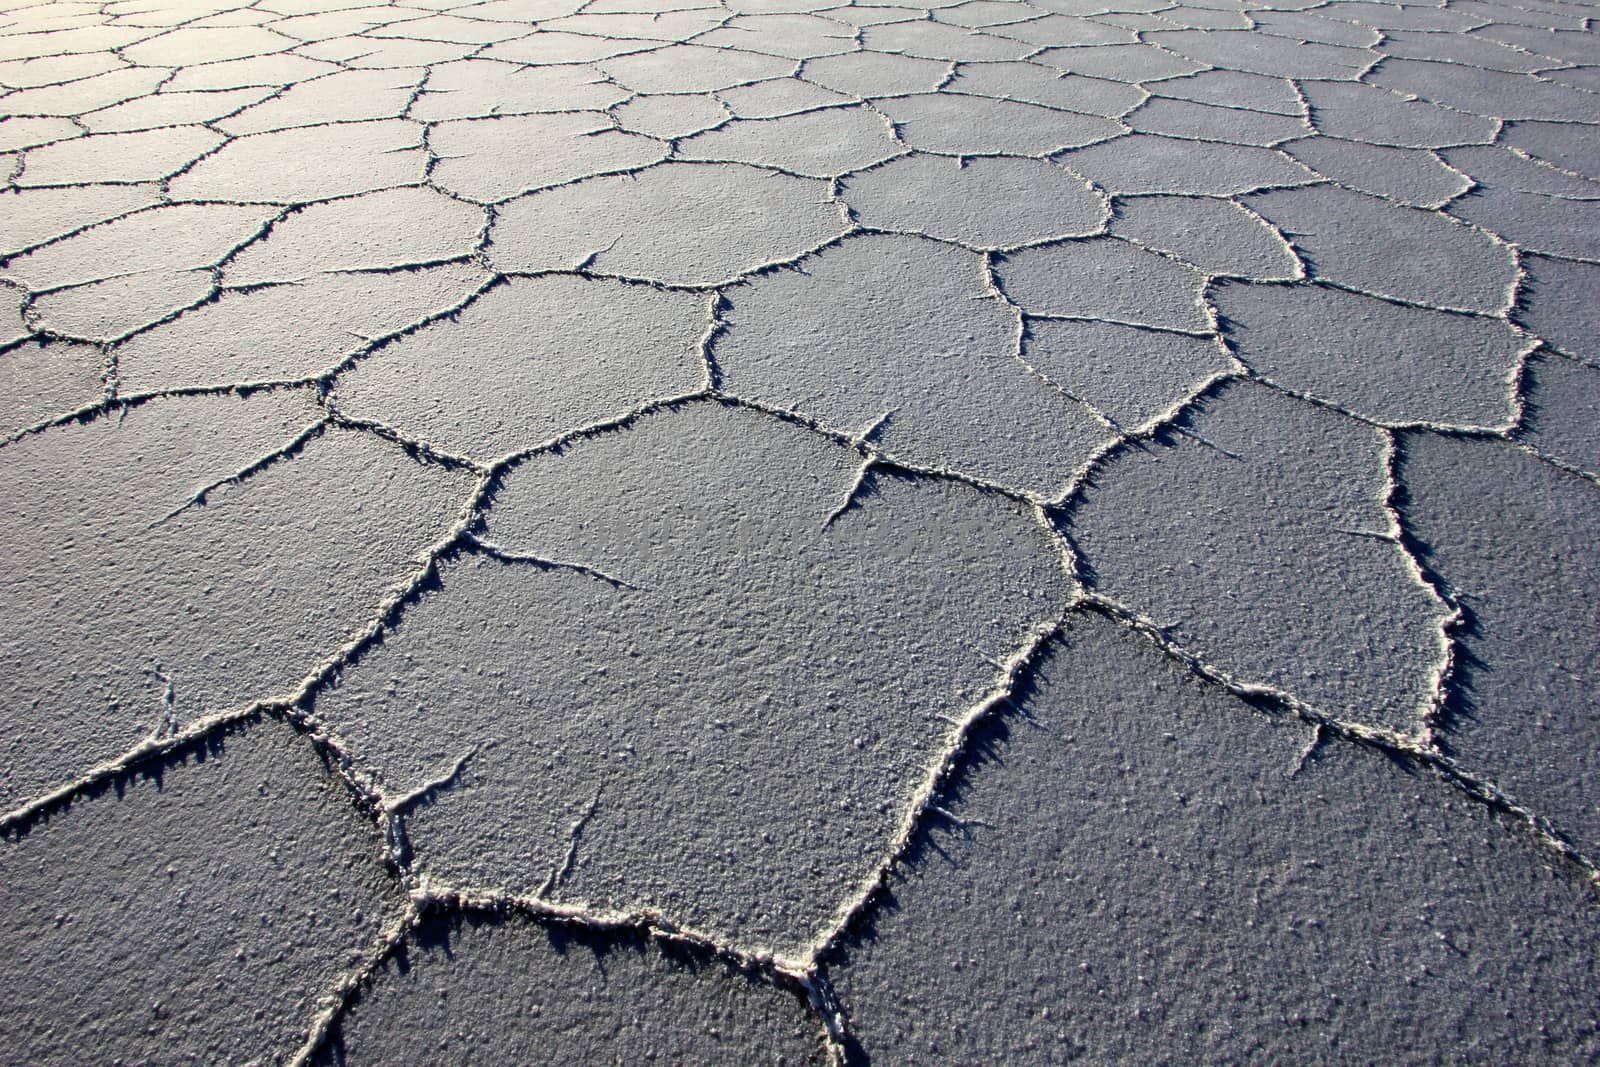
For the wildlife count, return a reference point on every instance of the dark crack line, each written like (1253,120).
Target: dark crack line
(472,543)
(569,858)
(288,450)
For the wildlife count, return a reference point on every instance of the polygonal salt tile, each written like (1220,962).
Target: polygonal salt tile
(1236,89)
(1464,49)
(1561,415)
(526,10)
(1377,116)
(109,309)
(649,7)
(553,47)
(1055,31)
(1501,171)
(1119,62)
(203,905)
(1256,537)
(1403,17)
(1574,47)
(672,116)
(1314,28)
(758,7)
(1535,206)
(1216,236)
(530,360)
(221,15)
(92,38)
(1149,877)
(366,53)
(1150,163)
(52,16)
(657,23)
(161,110)
(845,340)
(816,144)
(876,13)
(1485,92)
(1566,144)
(42,379)
(1512,537)
(797,36)
(388,229)
(1405,253)
(19,132)
(29,217)
(1556,302)
(348,96)
(52,20)
(311,8)
(678,223)
(1138,16)
(171,237)
(687,68)
(778,97)
(49,20)
(1131,375)
(983,202)
(207,13)
(961,125)
(187,46)
(869,74)
(84,95)
(450,29)
(272,70)
(315,163)
(1548,18)
(53,70)
(117,157)
(1207,122)
(1104,278)
(479,88)
(494,159)
(1259,53)
(505,985)
(1035,84)
(930,40)
(508,10)
(337,21)
(1411,175)
(289,332)
(227,602)
(1381,360)
(1223,17)
(738,629)
(1586,78)
(981,14)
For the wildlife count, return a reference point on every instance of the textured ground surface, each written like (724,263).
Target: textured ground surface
(646,530)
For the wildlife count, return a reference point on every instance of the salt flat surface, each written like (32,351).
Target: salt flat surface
(798,531)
